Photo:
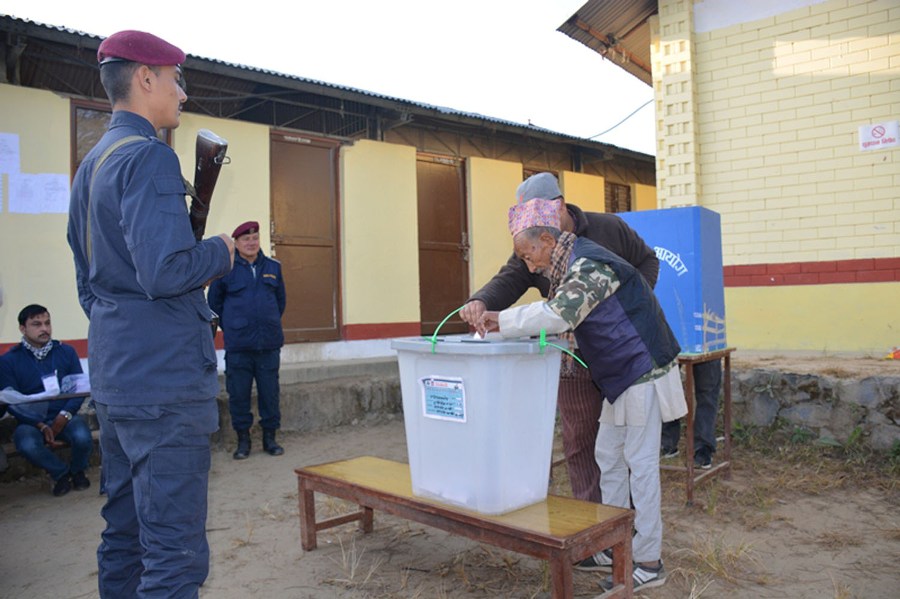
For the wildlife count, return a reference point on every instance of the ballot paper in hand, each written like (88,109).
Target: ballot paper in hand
(71,383)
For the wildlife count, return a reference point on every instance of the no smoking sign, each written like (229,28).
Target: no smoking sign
(879,136)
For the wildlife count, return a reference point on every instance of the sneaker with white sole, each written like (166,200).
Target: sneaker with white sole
(642,577)
(668,453)
(703,459)
(598,561)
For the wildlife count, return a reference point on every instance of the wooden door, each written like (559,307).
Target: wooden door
(443,242)
(305,234)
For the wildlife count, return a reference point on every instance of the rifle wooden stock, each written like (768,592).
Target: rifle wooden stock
(210,157)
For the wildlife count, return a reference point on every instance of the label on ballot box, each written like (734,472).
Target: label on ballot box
(444,398)
(690,288)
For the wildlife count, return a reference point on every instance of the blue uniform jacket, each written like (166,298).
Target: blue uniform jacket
(626,335)
(250,305)
(23,372)
(149,340)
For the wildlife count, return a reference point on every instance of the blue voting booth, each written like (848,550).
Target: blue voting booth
(690,289)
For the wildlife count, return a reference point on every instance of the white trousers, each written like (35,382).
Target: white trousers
(627,452)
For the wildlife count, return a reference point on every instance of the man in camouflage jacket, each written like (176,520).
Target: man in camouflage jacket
(631,353)
(578,401)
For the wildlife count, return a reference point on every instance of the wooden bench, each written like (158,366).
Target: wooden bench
(9,448)
(723,465)
(560,529)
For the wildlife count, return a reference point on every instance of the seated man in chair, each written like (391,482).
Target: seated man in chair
(38,365)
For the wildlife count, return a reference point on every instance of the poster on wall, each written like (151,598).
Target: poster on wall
(879,136)
(9,153)
(42,193)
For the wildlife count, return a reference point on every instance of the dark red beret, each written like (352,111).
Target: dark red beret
(251,226)
(138,46)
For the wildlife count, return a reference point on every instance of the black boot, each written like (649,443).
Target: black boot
(270,446)
(243,449)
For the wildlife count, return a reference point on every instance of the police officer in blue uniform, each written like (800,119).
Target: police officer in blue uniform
(250,301)
(140,276)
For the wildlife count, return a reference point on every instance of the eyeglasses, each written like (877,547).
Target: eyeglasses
(180,79)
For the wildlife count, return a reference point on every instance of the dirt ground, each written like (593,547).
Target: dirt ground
(833,365)
(797,524)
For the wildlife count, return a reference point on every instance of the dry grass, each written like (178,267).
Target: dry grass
(841,591)
(716,558)
(248,540)
(356,574)
(838,373)
(834,540)
(892,533)
(494,573)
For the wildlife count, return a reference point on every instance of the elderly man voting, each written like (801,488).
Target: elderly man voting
(631,353)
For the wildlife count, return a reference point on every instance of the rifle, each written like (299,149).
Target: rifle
(210,157)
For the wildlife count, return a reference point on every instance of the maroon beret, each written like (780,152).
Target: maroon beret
(251,226)
(138,46)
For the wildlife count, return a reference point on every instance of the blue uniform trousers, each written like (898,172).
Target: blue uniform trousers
(707,385)
(30,443)
(241,368)
(156,460)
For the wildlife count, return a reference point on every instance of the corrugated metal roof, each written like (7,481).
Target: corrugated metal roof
(63,59)
(369,94)
(618,30)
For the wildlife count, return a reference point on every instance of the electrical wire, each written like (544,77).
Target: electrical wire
(623,120)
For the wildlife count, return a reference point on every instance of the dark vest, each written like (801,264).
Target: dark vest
(626,335)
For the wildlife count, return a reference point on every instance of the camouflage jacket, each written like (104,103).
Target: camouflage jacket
(618,324)
(586,284)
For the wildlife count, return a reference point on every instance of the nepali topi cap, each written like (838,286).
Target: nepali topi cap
(251,226)
(534,213)
(542,186)
(141,47)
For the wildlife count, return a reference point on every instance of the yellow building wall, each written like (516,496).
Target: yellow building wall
(643,197)
(379,234)
(759,122)
(242,189)
(35,261)
(491,190)
(588,192)
(780,103)
(43,123)
(847,318)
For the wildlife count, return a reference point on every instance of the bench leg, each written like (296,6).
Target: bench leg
(307,516)
(561,580)
(366,520)
(726,415)
(689,432)
(622,567)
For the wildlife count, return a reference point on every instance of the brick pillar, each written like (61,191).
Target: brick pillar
(672,57)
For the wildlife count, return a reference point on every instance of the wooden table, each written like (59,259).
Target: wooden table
(722,466)
(560,529)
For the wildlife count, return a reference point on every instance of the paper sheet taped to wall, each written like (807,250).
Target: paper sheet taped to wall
(38,194)
(9,153)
